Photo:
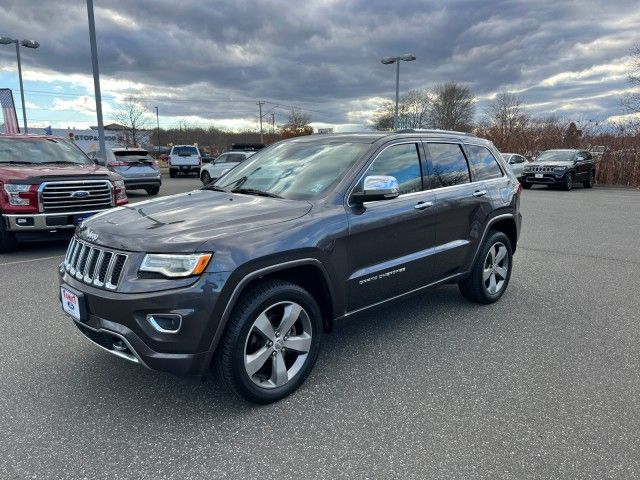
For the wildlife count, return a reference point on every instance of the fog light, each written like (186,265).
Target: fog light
(165,322)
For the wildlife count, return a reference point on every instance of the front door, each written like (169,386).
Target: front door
(391,241)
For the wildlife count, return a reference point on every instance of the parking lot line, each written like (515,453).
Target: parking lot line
(17,262)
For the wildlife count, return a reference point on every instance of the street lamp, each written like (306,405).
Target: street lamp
(27,44)
(158,123)
(407,57)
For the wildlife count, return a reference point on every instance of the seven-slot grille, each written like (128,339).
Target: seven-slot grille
(76,196)
(540,169)
(94,265)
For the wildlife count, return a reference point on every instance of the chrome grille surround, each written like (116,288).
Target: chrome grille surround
(58,197)
(94,265)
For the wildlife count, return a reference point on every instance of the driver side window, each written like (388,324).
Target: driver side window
(401,162)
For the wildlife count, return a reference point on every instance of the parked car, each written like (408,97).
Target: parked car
(139,169)
(184,159)
(246,274)
(48,186)
(516,162)
(564,168)
(221,165)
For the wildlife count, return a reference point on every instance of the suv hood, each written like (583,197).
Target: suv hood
(551,163)
(38,173)
(181,223)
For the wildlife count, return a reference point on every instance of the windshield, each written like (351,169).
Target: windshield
(556,156)
(40,151)
(184,151)
(294,170)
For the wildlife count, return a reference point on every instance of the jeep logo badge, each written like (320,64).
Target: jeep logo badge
(80,194)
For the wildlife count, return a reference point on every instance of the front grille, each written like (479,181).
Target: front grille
(76,196)
(540,169)
(94,265)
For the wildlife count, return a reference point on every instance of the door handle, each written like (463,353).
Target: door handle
(423,205)
(479,193)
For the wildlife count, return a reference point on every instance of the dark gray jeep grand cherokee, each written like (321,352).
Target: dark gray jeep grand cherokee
(246,274)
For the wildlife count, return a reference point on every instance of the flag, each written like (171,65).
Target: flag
(9,111)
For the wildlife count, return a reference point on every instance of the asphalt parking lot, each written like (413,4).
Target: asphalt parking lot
(543,384)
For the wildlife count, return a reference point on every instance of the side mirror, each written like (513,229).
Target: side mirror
(378,187)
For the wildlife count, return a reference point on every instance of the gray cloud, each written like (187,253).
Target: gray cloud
(325,55)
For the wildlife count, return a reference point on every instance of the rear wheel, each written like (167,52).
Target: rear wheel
(491,272)
(568,182)
(7,239)
(152,190)
(588,183)
(205,177)
(271,342)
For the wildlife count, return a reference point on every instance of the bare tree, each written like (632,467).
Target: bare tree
(413,110)
(452,107)
(297,124)
(133,116)
(506,116)
(631,101)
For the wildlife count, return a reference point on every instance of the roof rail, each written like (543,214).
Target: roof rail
(433,130)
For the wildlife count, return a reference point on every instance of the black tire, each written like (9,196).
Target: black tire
(205,177)
(526,185)
(7,239)
(172,174)
(474,287)
(230,355)
(152,190)
(568,182)
(588,183)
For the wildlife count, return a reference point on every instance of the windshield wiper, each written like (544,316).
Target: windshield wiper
(62,162)
(214,188)
(17,162)
(253,191)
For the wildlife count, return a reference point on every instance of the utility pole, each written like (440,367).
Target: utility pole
(158,123)
(260,103)
(96,78)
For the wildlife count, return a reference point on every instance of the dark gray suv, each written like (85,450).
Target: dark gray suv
(246,274)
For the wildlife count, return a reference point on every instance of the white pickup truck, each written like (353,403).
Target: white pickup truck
(184,159)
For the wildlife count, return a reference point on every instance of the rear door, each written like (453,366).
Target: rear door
(391,241)
(464,204)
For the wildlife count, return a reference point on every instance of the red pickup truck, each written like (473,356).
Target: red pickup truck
(48,186)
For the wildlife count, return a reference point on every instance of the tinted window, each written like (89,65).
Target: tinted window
(185,151)
(236,158)
(402,162)
(448,165)
(483,163)
(221,159)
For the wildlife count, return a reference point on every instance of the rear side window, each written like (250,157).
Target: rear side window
(483,164)
(184,151)
(402,162)
(448,165)
(236,158)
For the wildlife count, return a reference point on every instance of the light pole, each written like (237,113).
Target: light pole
(407,57)
(96,78)
(158,122)
(27,44)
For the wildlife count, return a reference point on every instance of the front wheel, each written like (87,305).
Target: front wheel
(7,239)
(271,342)
(588,183)
(568,182)
(491,271)
(205,177)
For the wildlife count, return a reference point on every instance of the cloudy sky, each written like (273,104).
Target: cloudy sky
(209,62)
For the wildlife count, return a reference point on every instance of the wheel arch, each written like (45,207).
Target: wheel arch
(509,228)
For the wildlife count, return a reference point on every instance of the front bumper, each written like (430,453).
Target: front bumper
(33,222)
(548,178)
(117,322)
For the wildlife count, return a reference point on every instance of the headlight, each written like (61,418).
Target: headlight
(175,266)
(119,190)
(526,168)
(14,190)
(118,183)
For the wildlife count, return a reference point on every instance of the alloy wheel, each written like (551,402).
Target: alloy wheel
(496,268)
(277,345)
